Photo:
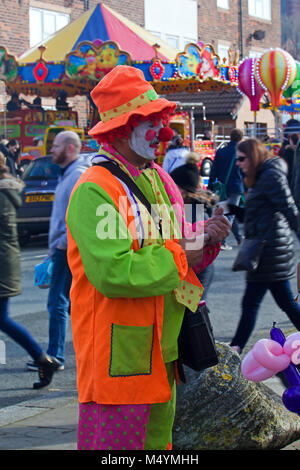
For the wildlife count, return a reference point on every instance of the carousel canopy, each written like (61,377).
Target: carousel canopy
(101,24)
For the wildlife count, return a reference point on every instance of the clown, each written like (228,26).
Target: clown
(130,284)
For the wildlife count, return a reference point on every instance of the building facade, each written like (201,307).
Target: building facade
(23,21)
(231,24)
(290,18)
(245,27)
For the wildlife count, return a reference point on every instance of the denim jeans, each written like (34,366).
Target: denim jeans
(254,294)
(59,304)
(206,277)
(17,332)
(234,199)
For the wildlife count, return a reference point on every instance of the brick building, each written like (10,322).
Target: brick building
(290,17)
(223,23)
(15,17)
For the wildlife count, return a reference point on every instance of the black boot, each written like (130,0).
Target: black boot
(46,367)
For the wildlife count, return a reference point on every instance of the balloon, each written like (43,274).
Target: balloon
(275,71)
(270,356)
(292,347)
(264,360)
(291,372)
(252,370)
(293,91)
(291,399)
(248,85)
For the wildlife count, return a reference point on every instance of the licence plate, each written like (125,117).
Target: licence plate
(39,198)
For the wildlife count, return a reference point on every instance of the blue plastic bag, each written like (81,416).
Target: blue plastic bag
(43,273)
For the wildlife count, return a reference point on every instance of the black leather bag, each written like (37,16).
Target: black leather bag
(196,343)
(249,255)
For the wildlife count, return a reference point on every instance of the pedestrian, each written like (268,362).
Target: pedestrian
(10,274)
(176,154)
(296,176)
(270,213)
(223,167)
(131,284)
(13,152)
(65,153)
(199,203)
(14,104)
(289,156)
(292,126)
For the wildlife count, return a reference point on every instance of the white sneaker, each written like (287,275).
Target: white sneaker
(225,246)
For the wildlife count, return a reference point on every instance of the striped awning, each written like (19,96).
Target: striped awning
(100,24)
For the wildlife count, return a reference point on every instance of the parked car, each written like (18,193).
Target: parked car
(40,178)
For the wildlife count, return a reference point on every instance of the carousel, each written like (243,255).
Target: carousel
(71,62)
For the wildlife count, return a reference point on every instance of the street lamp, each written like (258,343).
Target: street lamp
(259,35)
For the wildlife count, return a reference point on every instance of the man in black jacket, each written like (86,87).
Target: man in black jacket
(235,185)
(13,151)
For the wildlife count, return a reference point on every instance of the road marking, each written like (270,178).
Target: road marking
(33,257)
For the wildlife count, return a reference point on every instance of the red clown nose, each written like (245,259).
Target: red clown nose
(165,134)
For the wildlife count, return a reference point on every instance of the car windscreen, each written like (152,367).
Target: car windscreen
(41,169)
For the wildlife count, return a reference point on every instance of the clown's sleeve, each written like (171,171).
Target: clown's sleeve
(105,245)
(210,252)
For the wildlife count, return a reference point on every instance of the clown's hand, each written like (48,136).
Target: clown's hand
(217,227)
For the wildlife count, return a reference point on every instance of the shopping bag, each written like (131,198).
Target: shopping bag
(42,273)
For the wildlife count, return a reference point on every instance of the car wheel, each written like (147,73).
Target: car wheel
(206,167)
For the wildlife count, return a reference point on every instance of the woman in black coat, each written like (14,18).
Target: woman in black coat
(10,274)
(271,214)
(187,179)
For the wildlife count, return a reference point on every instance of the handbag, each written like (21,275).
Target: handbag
(249,255)
(196,344)
(250,252)
(43,273)
(220,188)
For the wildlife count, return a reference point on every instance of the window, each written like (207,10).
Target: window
(172,40)
(43,23)
(164,15)
(188,41)
(260,8)
(223,52)
(257,130)
(223,4)
(155,33)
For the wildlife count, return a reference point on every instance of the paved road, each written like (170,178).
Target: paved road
(225,296)
(30,310)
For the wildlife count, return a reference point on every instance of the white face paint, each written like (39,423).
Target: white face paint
(144,140)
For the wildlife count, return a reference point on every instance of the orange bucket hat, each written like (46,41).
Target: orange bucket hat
(122,93)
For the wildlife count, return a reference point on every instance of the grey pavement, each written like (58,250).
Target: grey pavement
(47,420)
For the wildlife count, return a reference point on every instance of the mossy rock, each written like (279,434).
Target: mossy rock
(218,409)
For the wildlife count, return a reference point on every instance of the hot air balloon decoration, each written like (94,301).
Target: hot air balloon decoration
(275,71)
(248,85)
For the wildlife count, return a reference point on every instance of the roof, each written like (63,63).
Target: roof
(218,104)
(100,24)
